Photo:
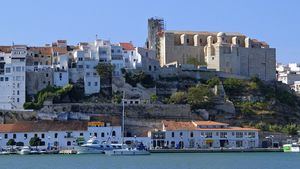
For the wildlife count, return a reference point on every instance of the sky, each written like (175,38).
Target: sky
(37,22)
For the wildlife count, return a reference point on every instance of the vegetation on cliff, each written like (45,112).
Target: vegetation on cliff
(50,92)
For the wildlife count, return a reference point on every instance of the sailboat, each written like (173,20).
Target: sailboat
(126,150)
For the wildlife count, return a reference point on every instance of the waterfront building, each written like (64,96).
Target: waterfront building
(59,134)
(12,77)
(203,134)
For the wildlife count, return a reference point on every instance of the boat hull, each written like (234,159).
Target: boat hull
(126,152)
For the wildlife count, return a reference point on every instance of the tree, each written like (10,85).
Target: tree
(291,129)
(153,98)
(178,98)
(35,141)
(11,142)
(105,70)
(233,86)
(19,144)
(213,81)
(199,96)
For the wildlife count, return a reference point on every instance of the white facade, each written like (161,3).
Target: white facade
(87,57)
(12,78)
(288,77)
(212,135)
(64,138)
(117,59)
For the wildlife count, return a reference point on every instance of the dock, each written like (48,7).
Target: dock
(215,150)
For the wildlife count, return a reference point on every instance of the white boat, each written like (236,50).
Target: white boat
(294,148)
(127,152)
(25,150)
(93,146)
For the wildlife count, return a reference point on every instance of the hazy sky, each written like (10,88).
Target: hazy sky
(37,22)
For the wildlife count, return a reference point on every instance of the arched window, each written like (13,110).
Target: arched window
(173,134)
(180,134)
(113,133)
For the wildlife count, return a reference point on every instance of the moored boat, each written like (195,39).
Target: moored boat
(24,150)
(294,148)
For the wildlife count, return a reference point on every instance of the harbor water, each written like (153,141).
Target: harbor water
(155,161)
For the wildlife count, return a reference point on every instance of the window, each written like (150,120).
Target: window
(89,83)
(47,74)
(87,66)
(173,134)
(192,134)
(6,78)
(102,134)
(239,134)
(187,40)
(180,134)
(18,100)
(7,70)
(1,79)
(25,136)
(35,135)
(14,136)
(69,143)
(113,133)
(96,83)
(95,134)
(18,92)
(81,134)
(55,135)
(5,136)
(18,68)
(43,135)
(223,134)
(208,135)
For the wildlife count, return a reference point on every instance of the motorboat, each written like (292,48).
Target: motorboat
(25,150)
(128,151)
(93,146)
(294,148)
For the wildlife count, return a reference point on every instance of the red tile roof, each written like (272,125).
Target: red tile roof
(193,125)
(46,51)
(127,46)
(43,126)
(5,49)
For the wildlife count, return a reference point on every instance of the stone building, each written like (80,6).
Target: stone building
(227,52)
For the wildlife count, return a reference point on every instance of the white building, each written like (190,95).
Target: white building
(288,77)
(12,78)
(61,71)
(117,59)
(203,134)
(58,134)
(87,57)
(131,56)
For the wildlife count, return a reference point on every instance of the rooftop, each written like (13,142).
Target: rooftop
(127,45)
(193,125)
(43,126)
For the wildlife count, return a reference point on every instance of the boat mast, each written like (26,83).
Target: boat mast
(123,117)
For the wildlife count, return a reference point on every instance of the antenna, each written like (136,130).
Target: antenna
(123,117)
(96,36)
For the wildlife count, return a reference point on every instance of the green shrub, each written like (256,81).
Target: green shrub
(178,98)
(199,96)
(213,81)
(234,86)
